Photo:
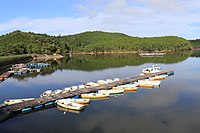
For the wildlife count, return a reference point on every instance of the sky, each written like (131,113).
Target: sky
(142,18)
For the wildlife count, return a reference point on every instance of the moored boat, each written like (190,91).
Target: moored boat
(144,85)
(109,81)
(154,69)
(127,87)
(112,91)
(91,84)
(70,89)
(70,105)
(102,82)
(160,77)
(56,92)
(81,86)
(77,100)
(46,93)
(14,101)
(95,95)
(116,79)
(147,81)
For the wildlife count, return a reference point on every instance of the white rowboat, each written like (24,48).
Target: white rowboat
(14,101)
(95,95)
(111,91)
(78,100)
(70,105)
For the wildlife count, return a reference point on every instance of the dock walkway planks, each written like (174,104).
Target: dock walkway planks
(6,111)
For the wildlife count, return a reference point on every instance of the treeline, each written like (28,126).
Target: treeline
(8,60)
(196,43)
(19,42)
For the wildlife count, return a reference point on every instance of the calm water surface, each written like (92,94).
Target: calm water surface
(174,107)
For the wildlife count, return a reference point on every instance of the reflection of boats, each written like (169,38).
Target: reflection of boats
(147,81)
(95,95)
(152,54)
(77,100)
(112,91)
(154,69)
(37,65)
(46,93)
(160,77)
(14,101)
(69,105)
(69,110)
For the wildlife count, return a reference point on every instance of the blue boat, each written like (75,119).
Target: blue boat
(49,103)
(26,109)
(170,73)
(37,107)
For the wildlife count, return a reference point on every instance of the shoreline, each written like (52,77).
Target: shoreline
(118,52)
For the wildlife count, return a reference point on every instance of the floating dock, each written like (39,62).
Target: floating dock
(7,111)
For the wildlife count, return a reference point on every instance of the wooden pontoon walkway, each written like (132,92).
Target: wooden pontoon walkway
(7,111)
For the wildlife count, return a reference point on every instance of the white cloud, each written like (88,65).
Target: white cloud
(137,18)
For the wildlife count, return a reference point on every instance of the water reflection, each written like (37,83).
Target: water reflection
(172,108)
(100,62)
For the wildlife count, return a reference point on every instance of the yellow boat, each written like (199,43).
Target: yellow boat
(160,77)
(95,95)
(126,89)
(14,101)
(143,85)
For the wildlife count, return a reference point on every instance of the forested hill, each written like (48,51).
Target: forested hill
(196,43)
(19,42)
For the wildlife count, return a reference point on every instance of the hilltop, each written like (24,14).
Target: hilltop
(19,42)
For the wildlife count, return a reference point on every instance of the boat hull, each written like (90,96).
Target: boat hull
(94,95)
(112,91)
(70,105)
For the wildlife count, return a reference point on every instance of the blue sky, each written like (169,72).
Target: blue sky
(141,18)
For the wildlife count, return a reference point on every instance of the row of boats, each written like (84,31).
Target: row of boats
(78,102)
(19,69)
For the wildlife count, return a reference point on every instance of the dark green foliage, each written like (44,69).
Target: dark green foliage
(8,60)
(19,42)
(195,43)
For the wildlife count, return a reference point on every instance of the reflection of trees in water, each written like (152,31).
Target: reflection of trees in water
(99,62)
(195,53)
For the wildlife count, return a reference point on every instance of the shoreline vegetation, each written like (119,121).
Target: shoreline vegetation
(7,61)
(96,42)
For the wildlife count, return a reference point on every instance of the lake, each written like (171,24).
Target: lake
(174,107)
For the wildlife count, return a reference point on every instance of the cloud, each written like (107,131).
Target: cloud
(136,18)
